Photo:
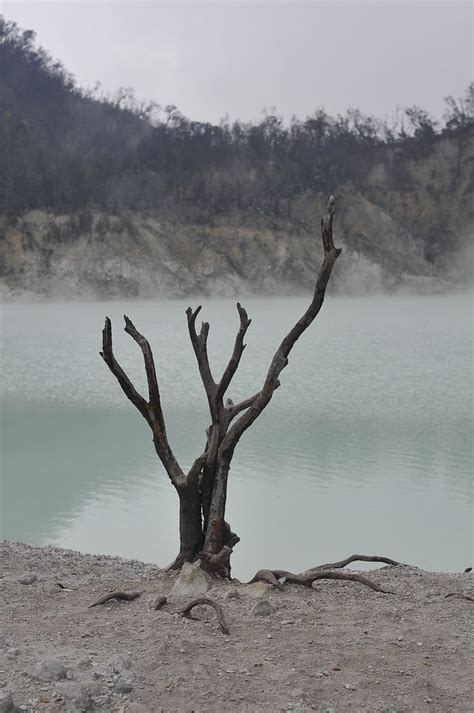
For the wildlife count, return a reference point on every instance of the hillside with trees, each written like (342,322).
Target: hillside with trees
(107,195)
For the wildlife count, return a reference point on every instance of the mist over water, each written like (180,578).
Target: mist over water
(367,445)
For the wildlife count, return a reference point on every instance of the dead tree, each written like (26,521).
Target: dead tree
(204,532)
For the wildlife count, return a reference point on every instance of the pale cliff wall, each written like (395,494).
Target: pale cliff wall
(406,223)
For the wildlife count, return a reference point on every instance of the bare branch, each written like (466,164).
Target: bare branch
(151,411)
(199,343)
(196,468)
(235,409)
(127,387)
(234,361)
(280,359)
(153,390)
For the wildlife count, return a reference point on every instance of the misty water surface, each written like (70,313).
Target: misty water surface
(367,445)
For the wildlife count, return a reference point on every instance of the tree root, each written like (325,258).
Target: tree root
(124,596)
(324,571)
(458,594)
(218,564)
(307,579)
(355,558)
(266,575)
(186,611)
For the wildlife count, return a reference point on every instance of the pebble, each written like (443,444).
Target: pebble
(6,703)
(263,608)
(350,687)
(49,670)
(125,682)
(78,695)
(287,621)
(119,662)
(27,578)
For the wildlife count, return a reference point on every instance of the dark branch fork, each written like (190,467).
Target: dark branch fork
(151,410)
(203,490)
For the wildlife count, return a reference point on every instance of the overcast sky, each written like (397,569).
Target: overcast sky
(235,58)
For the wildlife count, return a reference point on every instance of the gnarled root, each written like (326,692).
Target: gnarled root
(266,575)
(324,571)
(218,564)
(124,596)
(356,558)
(460,595)
(307,579)
(186,611)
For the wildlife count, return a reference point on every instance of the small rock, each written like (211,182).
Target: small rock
(6,703)
(119,662)
(191,581)
(124,682)
(136,708)
(49,670)
(103,671)
(263,608)
(7,641)
(27,578)
(77,695)
(287,621)
(350,687)
(232,594)
(269,636)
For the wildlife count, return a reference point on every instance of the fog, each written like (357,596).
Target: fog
(213,59)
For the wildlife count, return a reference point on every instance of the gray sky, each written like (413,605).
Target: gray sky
(235,58)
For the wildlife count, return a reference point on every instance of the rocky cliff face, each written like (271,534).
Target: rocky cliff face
(406,223)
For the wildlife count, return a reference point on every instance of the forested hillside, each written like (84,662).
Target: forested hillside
(107,195)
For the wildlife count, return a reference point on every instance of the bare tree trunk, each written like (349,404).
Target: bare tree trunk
(191,535)
(202,492)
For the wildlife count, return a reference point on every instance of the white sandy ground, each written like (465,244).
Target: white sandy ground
(339,647)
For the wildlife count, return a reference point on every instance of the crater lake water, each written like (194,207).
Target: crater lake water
(366,447)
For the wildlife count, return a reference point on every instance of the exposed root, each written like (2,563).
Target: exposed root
(307,578)
(266,575)
(458,594)
(124,596)
(355,558)
(218,564)
(159,602)
(186,611)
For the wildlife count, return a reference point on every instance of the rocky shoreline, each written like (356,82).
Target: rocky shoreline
(338,647)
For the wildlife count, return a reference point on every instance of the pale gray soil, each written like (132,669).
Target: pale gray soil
(340,647)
